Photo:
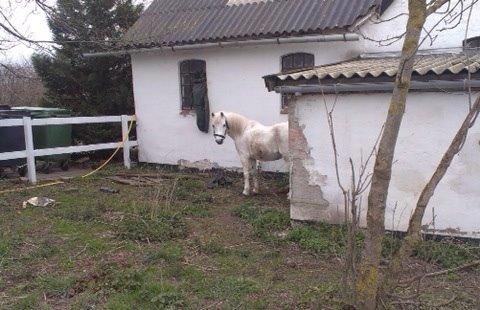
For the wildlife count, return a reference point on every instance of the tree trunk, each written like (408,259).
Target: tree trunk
(413,236)
(369,279)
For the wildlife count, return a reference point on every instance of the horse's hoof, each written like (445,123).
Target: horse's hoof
(244,193)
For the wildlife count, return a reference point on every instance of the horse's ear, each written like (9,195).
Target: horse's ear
(213,114)
(223,115)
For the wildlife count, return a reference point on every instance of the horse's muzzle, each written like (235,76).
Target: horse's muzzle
(219,138)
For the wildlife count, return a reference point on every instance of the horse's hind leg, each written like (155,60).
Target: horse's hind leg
(255,172)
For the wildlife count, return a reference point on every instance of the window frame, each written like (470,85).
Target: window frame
(184,105)
(284,69)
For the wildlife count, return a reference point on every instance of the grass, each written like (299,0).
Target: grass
(320,239)
(447,254)
(55,286)
(181,246)
(265,221)
(144,227)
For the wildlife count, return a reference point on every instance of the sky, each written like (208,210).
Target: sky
(32,22)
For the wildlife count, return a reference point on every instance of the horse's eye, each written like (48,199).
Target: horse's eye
(224,126)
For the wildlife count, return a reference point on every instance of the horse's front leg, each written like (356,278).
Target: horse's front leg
(246,176)
(255,171)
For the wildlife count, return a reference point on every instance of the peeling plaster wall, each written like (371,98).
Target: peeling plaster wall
(306,196)
(430,123)
(234,77)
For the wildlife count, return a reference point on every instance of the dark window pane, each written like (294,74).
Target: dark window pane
(191,71)
(286,62)
(184,67)
(186,79)
(309,61)
(298,61)
(197,66)
(187,97)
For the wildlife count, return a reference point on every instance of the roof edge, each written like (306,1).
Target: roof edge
(461,85)
(228,44)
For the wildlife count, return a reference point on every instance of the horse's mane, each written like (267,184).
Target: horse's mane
(236,123)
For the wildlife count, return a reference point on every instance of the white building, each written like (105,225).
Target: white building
(229,45)
(360,89)
(237,41)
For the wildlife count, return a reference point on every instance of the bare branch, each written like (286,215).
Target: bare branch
(435,5)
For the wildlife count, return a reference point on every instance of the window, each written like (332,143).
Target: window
(472,43)
(191,71)
(291,62)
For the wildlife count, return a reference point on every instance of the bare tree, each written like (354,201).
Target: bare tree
(13,33)
(413,236)
(370,278)
(19,84)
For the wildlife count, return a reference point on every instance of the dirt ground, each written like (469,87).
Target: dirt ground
(167,241)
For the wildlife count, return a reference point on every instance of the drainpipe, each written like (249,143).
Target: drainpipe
(307,39)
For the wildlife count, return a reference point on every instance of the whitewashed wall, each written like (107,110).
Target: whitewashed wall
(235,84)
(430,122)
(234,77)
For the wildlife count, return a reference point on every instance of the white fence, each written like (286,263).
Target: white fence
(30,153)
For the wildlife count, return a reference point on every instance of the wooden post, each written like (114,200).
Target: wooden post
(27,127)
(126,142)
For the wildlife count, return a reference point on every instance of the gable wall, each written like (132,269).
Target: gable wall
(234,77)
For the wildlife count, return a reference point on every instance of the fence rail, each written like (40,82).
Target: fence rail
(30,153)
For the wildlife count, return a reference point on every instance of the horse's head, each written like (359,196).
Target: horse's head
(220,127)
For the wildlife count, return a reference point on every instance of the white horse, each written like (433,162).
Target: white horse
(254,142)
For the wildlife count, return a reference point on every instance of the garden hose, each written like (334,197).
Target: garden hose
(121,145)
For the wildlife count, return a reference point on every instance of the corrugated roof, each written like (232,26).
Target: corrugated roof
(177,22)
(437,64)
